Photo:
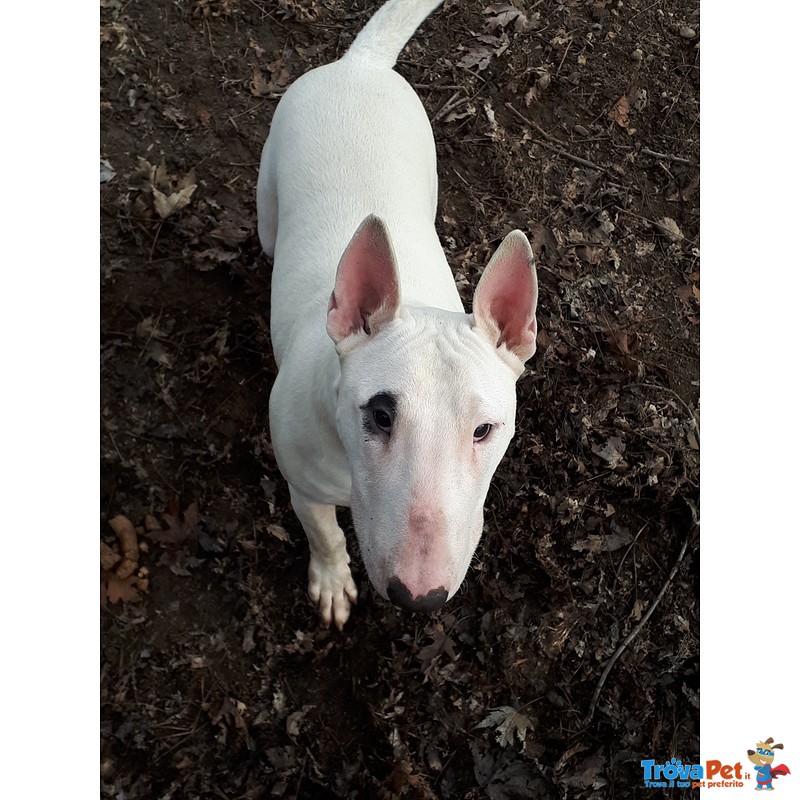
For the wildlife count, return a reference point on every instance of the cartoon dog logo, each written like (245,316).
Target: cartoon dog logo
(762,757)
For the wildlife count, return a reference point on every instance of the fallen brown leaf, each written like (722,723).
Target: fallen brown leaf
(480,55)
(669,229)
(231,711)
(623,342)
(278,532)
(179,527)
(108,558)
(117,589)
(508,724)
(129,544)
(501,15)
(166,206)
(259,85)
(620,112)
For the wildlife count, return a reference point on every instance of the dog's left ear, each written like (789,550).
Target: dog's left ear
(504,305)
(366,295)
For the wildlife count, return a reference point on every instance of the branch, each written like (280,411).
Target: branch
(635,632)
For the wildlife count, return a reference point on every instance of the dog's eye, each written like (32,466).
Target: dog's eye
(481,432)
(382,420)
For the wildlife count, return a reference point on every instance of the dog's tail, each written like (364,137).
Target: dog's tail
(385,35)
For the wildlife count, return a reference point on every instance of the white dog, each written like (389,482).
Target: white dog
(406,418)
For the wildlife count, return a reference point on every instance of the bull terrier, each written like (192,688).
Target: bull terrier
(389,398)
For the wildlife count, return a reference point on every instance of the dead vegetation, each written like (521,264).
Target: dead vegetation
(572,651)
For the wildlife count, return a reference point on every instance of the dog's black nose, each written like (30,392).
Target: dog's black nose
(400,596)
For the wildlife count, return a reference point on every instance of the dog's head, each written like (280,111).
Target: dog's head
(426,410)
(764,753)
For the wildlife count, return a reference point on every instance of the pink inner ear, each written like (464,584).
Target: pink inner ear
(367,291)
(505,300)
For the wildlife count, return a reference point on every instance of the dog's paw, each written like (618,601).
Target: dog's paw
(331,587)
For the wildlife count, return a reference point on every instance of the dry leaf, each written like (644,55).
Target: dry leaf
(117,589)
(480,55)
(156,176)
(623,342)
(669,229)
(232,712)
(501,15)
(188,181)
(278,532)
(129,545)
(620,112)
(107,172)
(441,643)
(259,86)
(165,206)
(294,720)
(597,543)
(180,527)
(509,723)
(151,523)
(587,773)
(688,293)
(404,781)
(108,558)
(611,452)
(176,116)
(254,45)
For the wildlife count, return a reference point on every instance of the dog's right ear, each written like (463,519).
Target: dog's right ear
(366,295)
(504,306)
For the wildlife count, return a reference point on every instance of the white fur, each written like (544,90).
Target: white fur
(351,141)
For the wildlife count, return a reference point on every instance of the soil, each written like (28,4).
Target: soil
(571,652)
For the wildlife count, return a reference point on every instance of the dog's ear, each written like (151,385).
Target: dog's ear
(366,295)
(504,305)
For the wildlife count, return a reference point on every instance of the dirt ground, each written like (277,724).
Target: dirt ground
(571,652)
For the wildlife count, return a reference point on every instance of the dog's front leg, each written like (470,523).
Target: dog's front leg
(330,583)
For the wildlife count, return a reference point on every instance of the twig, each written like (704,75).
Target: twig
(564,57)
(450,105)
(150,337)
(113,440)
(535,126)
(432,87)
(665,156)
(463,179)
(635,632)
(155,239)
(643,11)
(630,546)
(300,776)
(270,96)
(210,40)
(556,149)
(577,159)
(264,12)
(650,221)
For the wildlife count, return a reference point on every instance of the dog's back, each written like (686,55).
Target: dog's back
(350,139)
